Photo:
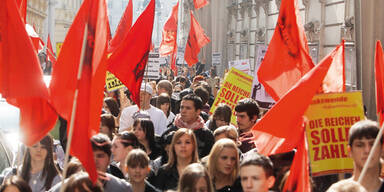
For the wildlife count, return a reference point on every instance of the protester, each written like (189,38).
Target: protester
(165,142)
(74,166)
(107,125)
(223,166)
(80,182)
(163,102)
(346,186)
(143,129)
(204,95)
(165,86)
(122,144)
(221,116)
(247,112)
(111,106)
(15,184)
(195,178)
(157,116)
(360,140)
(228,132)
(256,173)
(189,118)
(38,168)
(182,152)
(138,168)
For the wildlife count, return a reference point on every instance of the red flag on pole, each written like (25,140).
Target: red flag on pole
(200,3)
(128,61)
(123,28)
(50,54)
(334,81)
(22,5)
(173,60)
(280,136)
(93,16)
(287,59)
(298,179)
(21,77)
(379,73)
(196,40)
(169,35)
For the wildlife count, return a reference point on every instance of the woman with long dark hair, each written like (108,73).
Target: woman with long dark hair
(144,131)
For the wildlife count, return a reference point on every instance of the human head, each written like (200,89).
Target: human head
(164,86)
(81,182)
(144,130)
(15,183)
(346,185)
(111,106)
(146,92)
(228,132)
(101,147)
(362,135)
(176,139)
(195,178)
(247,112)
(163,102)
(107,125)
(197,78)
(182,80)
(122,144)
(256,173)
(137,164)
(223,159)
(221,116)
(190,108)
(202,93)
(74,166)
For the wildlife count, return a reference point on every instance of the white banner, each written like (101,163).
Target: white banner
(242,65)
(153,66)
(216,59)
(258,91)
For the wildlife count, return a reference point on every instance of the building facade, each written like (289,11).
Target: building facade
(36,14)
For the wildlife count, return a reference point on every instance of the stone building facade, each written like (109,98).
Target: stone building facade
(36,14)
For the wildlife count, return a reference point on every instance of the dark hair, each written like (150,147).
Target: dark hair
(162,99)
(81,182)
(149,130)
(74,166)
(165,84)
(248,105)
(101,142)
(197,103)
(222,112)
(109,121)
(363,129)
(49,171)
(16,181)
(112,105)
(128,138)
(256,159)
(137,157)
(181,79)
(190,175)
(202,93)
(206,86)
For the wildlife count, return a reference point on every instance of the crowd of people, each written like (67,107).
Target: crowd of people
(171,142)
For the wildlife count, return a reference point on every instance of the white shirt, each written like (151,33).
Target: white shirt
(157,116)
(170,118)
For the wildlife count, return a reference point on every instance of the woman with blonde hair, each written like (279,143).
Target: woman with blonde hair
(195,178)
(223,166)
(183,151)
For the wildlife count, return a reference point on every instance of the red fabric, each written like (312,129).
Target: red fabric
(50,54)
(379,73)
(287,59)
(298,179)
(272,136)
(123,28)
(22,5)
(173,60)
(128,61)
(200,3)
(169,35)
(21,77)
(334,81)
(90,86)
(196,40)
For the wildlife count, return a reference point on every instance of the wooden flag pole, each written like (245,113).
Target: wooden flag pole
(74,106)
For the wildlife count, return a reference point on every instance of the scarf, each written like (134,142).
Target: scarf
(198,124)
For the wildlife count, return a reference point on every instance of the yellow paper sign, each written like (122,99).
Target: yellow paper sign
(237,85)
(329,118)
(112,82)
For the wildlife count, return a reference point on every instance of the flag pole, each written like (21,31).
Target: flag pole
(370,156)
(74,106)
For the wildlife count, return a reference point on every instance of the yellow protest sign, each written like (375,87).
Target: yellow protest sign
(329,118)
(112,82)
(58,48)
(237,85)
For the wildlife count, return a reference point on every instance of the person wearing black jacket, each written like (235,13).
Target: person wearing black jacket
(190,118)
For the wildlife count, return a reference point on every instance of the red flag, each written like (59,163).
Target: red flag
(287,59)
(90,86)
(22,5)
(196,40)
(379,73)
(123,28)
(128,61)
(334,81)
(298,179)
(169,35)
(173,60)
(21,77)
(50,53)
(283,135)
(200,3)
